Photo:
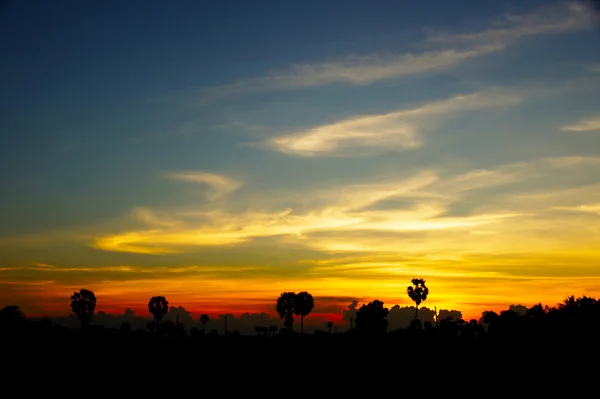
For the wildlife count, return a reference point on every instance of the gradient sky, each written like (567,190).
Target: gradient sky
(220,153)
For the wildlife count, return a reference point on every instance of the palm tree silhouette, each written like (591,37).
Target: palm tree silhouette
(285,308)
(158,306)
(83,304)
(204,319)
(303,306)
(568,304)
(417,292)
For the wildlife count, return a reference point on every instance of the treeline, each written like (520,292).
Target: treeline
(572,317)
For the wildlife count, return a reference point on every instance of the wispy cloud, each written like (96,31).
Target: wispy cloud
(451,50)
(44,267)
(587,208)
(353,70)
(99,269)
(555,18)
(585,125)
(394,131)
(368,216)
(350,218)
(219,185)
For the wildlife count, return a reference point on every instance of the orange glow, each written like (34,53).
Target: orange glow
(471,294)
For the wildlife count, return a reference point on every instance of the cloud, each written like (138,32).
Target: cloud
(343,209)
(588,208)
(353,70)
(585,125)
(131,269)
(569,161)
(398,130)
(219,185)
(427,211)
(366,133)
(150,218)
(551,19)
(453,49)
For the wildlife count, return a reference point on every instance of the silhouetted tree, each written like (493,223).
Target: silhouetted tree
(204,319)
(303,305)
(490,317)
(417,292)
(372,318)
(158,308)
(537,311)
(83,304)
(12,314)
(273,330)
(285,308)
(508,323)
(415,324)
(12,319)
(329,326)
(568,304)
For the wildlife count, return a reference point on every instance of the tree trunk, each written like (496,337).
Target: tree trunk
(301,325)
(416,311)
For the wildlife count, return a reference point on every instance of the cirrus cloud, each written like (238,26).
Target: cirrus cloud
(585,125)
(219,185)
(397,131)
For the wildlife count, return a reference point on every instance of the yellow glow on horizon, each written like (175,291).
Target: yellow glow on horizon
(524,247)
(470,292)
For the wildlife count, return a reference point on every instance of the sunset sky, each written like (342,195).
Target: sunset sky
(220,153)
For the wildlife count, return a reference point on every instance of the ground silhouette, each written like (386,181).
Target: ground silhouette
(573,318)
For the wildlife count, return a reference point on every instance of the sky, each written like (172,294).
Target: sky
(221,153)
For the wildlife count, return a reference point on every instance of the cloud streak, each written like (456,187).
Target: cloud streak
(591,208)
(129,269)
(218,185)
(395,131)
(550,19)
(352,218)
(585,125)
(452,49)
(353,70)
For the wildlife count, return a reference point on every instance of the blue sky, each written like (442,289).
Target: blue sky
(193,133)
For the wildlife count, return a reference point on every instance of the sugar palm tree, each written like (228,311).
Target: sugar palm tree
(83,304)
(158,306)
(417,292)
(204,319)
(285,308)
(303,306)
